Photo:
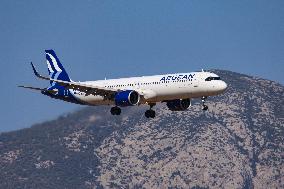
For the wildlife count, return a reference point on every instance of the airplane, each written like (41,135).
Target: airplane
(176,90)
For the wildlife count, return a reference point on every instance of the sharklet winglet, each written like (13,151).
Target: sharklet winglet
(37,74)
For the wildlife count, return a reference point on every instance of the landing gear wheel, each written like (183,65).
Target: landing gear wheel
(205,107)
(150,114)
(115,111)
(203,99)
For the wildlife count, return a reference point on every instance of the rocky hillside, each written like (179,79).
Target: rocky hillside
(238,143)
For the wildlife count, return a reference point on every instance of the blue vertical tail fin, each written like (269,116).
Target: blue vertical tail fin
(56,71)
(55,68)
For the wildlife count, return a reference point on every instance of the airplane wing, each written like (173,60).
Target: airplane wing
(88,89)
(82,87)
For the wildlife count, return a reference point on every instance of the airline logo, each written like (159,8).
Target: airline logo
(52,63)
(55,68)
(178,77)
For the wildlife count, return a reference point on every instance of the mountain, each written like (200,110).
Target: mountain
(238,143)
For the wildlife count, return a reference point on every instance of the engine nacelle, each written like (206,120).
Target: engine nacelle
(126,98)
(178,104)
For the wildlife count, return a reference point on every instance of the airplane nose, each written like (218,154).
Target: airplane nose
(223,86)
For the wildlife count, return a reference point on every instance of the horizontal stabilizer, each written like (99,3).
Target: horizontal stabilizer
(33,88)
(39,89)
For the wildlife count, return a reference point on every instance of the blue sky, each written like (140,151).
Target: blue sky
(97,39)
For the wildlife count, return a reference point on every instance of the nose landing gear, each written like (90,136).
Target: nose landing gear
(204,107)
(150,113)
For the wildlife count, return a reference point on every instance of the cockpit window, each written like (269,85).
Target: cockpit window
(212,78)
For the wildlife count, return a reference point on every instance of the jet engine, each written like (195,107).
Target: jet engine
(127,98)
(178,104)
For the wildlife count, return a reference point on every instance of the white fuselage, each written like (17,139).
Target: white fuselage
(158,88)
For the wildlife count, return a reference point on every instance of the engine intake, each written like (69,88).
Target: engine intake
(178,104)
(127,98)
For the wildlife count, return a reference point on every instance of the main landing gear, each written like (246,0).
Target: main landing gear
(150,113)
(115,110)
(204,107)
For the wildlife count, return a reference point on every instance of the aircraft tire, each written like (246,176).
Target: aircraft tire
(205,108)
(115,111)
(150,114)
